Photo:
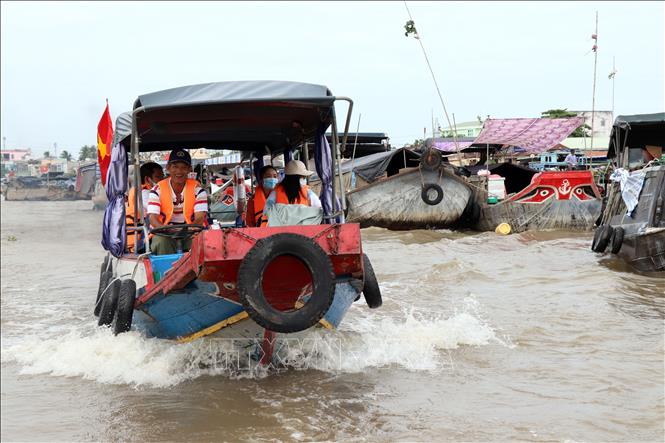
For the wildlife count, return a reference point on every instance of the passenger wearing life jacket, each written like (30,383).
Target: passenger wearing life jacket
(176,200)
(268,178)
(293,189)
(151,173)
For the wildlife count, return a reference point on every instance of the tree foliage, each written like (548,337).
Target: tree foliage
(87,152)
(66,155)
(582,131)
(47,154)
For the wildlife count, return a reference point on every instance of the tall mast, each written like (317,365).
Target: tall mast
(593,98)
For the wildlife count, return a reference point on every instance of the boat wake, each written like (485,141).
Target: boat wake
(408,339)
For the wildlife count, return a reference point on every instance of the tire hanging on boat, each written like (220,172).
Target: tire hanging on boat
(431,159)
(424,194)
(617,240)
(250,278)
(104,280)
(109,303)
(601,238)
(371,289)
(125,307)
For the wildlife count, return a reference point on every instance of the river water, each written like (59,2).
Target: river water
(528,337)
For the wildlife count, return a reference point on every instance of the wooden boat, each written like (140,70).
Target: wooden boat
(566,200)
(235,282)
(390,190)
(638,237)
(397,202)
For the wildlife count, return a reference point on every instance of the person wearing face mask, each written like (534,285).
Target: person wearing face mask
(293,189)
(268,182)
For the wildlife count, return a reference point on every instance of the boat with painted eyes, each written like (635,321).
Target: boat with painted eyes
(242,282)
(519,198)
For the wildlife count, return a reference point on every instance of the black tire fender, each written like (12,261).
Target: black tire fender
(424,194)
(617,240)
(109,303)
(601,238)
(104,280)
(125,307)
(250,277)
(371,289)
(431,159)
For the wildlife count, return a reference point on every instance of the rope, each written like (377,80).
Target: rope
(419,38)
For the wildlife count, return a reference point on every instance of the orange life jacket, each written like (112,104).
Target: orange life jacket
(258,203)
(165,199)
(301,199)
(129,215)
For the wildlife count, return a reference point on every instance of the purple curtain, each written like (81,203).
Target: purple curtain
(323,161)
(114,233)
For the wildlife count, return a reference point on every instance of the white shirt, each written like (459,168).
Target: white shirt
(571,159)
(155,205)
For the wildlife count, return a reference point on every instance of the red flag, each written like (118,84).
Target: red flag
(104,141)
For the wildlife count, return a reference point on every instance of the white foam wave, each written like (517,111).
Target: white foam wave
(411,340)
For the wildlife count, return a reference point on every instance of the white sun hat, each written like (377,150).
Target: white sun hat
(296,167)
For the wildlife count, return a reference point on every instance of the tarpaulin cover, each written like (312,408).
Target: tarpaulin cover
(531,134)
(450,146)
(374,166)
(114,234)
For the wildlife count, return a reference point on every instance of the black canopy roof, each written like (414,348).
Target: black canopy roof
(242,115)
(637,131)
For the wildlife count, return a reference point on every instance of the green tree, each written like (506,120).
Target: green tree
(582,131)
(66,155)
(47,154)
(87,152)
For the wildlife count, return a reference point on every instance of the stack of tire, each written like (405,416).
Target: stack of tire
(605,236)
(431,161)
(115,300)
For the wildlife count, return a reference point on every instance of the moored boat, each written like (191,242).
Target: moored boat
(235,281)
(566,200)
(398,190)
(633,219)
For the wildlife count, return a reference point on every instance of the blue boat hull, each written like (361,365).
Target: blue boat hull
(197,310)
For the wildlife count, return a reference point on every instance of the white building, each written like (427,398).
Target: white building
(603,121)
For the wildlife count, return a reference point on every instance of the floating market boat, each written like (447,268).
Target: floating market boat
(235,282)
(633,220)
(519,196)
(400,190)
(567,200)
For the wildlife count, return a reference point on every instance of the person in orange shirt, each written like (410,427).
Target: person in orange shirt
(293,189)
(151,174)
(268,181)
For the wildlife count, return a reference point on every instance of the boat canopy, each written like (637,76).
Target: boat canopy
(636,132)
(239,116)
(533,135)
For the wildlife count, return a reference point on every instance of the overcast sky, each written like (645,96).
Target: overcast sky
(60,61)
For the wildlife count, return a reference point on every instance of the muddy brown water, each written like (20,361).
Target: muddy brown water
(529,337)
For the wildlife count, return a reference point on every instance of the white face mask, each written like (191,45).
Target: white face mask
(303,181)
